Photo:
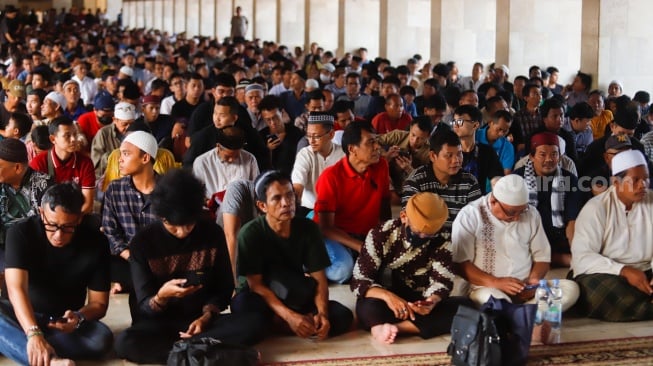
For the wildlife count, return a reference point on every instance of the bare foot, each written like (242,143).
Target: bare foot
(116,288)
(62,362)
(385,333)
(541,333)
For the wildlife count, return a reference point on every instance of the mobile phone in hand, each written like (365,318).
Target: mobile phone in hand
(194,279)
(271,137)
(58,319)
(530,287)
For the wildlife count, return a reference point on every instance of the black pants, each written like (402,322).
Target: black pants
(150,340)
(372,311)
(340,317)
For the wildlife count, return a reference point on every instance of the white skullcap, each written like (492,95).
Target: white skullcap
(505,69)
(124,111)
(57,98)
(626,160)
(511,190)
(144,141)
(311,84)
(127,71)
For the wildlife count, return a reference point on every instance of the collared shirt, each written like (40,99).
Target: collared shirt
(125,211)
(308,167)
(497,247)
(524,124)
(216,174)
(78,168)
(383,124)
(354,198)
(87,89)
(608,237)
(423,270)
(15,204)
(461,189)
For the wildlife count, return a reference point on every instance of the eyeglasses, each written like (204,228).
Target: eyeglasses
(316,137)
(53,228)
(511,214)
(459,122)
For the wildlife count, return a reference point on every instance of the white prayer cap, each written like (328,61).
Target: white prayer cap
(626,160)
(127,71)
(144,141)
(511,190)
(57,98)
(124,111)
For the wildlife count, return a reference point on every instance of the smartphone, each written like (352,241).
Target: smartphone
(271,137)
(530,287)
(194,279)
(55,319)
(423,303)
(404,153)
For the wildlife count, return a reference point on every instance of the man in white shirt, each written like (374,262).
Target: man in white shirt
(611,250)
(227,162)
(501,246)
(313,159)
(87,86)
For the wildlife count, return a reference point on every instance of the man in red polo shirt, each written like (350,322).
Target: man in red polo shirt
(353,196)
(65,164)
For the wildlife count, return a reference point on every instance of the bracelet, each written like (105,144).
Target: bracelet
(35,334)
(34,328)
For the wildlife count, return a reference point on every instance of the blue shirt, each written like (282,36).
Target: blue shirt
(501,146)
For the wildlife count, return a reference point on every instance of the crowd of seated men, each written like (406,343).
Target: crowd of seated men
(200,176)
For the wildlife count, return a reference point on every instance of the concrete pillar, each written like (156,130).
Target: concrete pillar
(502,43)
(589,49)
(383,28)
(341,28)
(436,30)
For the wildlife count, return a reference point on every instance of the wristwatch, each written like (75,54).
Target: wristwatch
(81,318)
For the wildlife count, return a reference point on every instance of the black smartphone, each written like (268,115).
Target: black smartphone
(194,278)
(530,287)
(404,153)
(57,319)
(271,137)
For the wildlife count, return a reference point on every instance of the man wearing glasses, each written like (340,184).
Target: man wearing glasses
(57,279)
(501,247)
(312,160)
(416,298)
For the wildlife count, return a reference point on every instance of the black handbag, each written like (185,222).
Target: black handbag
(210,351)
(498,334)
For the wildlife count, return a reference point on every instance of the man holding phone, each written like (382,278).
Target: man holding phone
(415,299)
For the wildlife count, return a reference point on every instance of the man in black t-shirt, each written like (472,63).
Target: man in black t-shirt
(54,260)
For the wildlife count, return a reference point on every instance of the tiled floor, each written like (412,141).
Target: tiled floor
(359,343)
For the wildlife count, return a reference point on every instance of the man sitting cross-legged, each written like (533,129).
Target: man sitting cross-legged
(415,300)
(283,258)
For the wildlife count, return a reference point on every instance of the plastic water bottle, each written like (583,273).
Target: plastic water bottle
(542,297)
(554,315)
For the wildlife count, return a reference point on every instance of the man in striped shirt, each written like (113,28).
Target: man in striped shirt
(444,176)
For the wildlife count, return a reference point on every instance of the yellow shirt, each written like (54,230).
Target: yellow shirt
(164,162)
(600,122)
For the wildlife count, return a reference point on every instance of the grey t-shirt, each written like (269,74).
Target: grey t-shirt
(239,200)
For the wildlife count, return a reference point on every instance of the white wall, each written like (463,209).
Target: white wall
(545,33)
(266,20)
(324,24)
(292,23)
(625,45)
(362,26)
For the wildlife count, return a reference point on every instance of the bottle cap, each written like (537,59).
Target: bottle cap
(542,283)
